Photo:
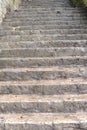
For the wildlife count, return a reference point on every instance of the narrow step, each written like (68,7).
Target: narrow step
(44,62)
(46,11)
(43,27)
(43,32)
(44,104)
(45,87)
(46,15)
(58,22)
(44,121)
(25,74)
(51,13)
(6,19)
(43,44)
(39,37)
(43,52)
(33,8)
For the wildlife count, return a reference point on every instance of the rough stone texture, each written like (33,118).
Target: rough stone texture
(43,67)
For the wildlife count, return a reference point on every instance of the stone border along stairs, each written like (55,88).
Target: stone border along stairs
(43,67)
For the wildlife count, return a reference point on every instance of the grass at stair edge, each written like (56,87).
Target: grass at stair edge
(79,3)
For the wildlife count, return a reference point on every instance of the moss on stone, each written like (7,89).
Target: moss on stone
(81,3)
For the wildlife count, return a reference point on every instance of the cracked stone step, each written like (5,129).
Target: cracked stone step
(43,104)
(49,121)
(44,87)
(26,74)
(45,61)
(43,52)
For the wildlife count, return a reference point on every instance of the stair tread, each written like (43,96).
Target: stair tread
(36,98)
(70,81)
(44,58)
(56,68)
(44,118)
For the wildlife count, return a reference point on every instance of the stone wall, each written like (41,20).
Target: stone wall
(8,5)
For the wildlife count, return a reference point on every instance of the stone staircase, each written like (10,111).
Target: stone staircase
(43,67)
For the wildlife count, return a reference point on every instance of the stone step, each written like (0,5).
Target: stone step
(43,32)
(45,11)
(50,12)
(43,121)
(43,44)
(33,8)
(45,87)
(43,104)
(42,19)
(25,74)
(39,37)
(45,23)
(46,15)
(42,27)
(44,2)
(45,5)
(51,5)
(57,22)
(43,52)
(43,61)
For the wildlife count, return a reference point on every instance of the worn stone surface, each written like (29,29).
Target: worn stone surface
(43,67)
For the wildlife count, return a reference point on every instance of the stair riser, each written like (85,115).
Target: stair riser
(43,44)
(38,1)
(58,7)
(6,63)
(44,32)
(54,107)
(46,15)
(41,27)
(38,38)
(50,12)
(46,23)
(46,19)
(21,76)
(44,89)
(51,5)
(46,126)
(22,8)
(43,52)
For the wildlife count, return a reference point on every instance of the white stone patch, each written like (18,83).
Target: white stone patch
(82,49)
(7,5)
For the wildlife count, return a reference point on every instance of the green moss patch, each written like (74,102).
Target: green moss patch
(80,3)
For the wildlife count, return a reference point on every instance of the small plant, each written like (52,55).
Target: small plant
(81,3)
